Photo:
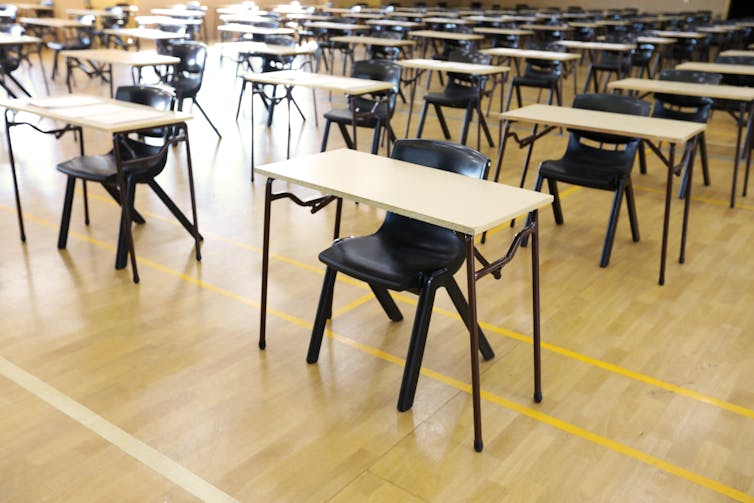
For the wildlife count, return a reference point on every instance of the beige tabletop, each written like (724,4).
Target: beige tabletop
(346,85)
(717,68)
(187,13)
(324,25)
(166,20)
(749,54)
(121,57)
(596,46)
(306,17)
(393,22)
(445,35)
(52,22)
(143,33)
(503,31)
(737,93)
(452,66)
(386,42)
(446,20)
(245,18)
(655,40)
(547,27)
(460,203)
(95,112)
(648,128)
(7,39)
(255,30)
(270,49)
(526,53)
(678,34)
(88,12)
(716,29)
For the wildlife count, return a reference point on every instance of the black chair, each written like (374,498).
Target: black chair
(373,111)
(10,59)
(616,63)
(82,39)
(605,163)
(684,108)
(145,159)
(385,51)
(462,91)
(643,58)
(405,255)
(539,74)
(187,76)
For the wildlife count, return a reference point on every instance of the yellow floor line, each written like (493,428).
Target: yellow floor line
(127,443)
(459,385)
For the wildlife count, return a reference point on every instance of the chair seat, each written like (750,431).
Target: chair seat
(459,97)
(376,260)
(97,168)
(594,173)
(343,116)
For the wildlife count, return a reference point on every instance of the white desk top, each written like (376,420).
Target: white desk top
(596,46)
(386,42)
(655,40)
(144,33)
(503,31)
(647,128)
(717,68)
(255,30)
(52,22)
(121,57)
(325,25)
(525,53)
(446,20)
(335,83)
(460,203)
(393,22)
(6,39)
(445,35)
(734,53)
(547,27)
(270,49)
(95,112)
(184,13)
(166,20)
(452,66)
(737,93)
(248,18)
(678,34)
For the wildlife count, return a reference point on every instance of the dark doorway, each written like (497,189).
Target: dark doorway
(740,8)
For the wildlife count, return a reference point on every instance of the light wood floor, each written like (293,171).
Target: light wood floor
(112,391)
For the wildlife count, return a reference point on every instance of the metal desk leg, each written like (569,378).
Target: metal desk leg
(666,219)
(265,264)
(11,158)
(474,336)
(534,222)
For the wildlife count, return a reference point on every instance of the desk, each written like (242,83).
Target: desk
(18,40)
(648,129)
(445,36)
(139,34)
(291,78)
(544,55)
(384,42)
(254,30)
(422,65)
(735,53)
(392,23)
(116,118)
(110,57)
(743,95)
(466,205)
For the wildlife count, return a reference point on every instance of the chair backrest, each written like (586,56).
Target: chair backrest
(690,77)
(477,58)
(438,155)
(158,97)
(610,103)
(189,72)
(736,80)
(378,69)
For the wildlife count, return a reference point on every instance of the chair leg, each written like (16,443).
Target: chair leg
(459,301)
(510,96)
(587,79)
(466,121)
(65,219)
(177,213)
(325,135)
(416,346)
(324,309)
(240,97)
(422,117)
(443,123)
(346,135)
(121,255)
(376,138)
(642,158)
(485,128)
(386,301)
(632,215)
(703,155)
(207,117)
(135,215)
(612,224)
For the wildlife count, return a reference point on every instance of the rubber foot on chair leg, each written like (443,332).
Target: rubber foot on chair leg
(478,445)
(538,396)
(262,344)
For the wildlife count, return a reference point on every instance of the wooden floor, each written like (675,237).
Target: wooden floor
(112,391)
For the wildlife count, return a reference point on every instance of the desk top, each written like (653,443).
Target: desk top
(325,25)
(503,31)
(655,40)
(723,92)
(166,20)
(446,20)
(270,49)
(6,39)
(121,57)
(255,30)
(387,42)
(52,22)
(717,68)
(184,13)
(749,54)
(452,66)
(346,85)
(634,126)
(95,112)
(394,22)
(144,33)
(450,200)
(445,35)
(678,34)
(526,53)
(597,46)
(547,27)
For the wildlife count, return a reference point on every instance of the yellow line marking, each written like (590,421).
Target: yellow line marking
(353,305)
(127,443)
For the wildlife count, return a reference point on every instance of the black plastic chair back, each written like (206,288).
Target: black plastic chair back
(378,69)
(465,79)
(610,103)
(189,72)
(687,101)
(736,80)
